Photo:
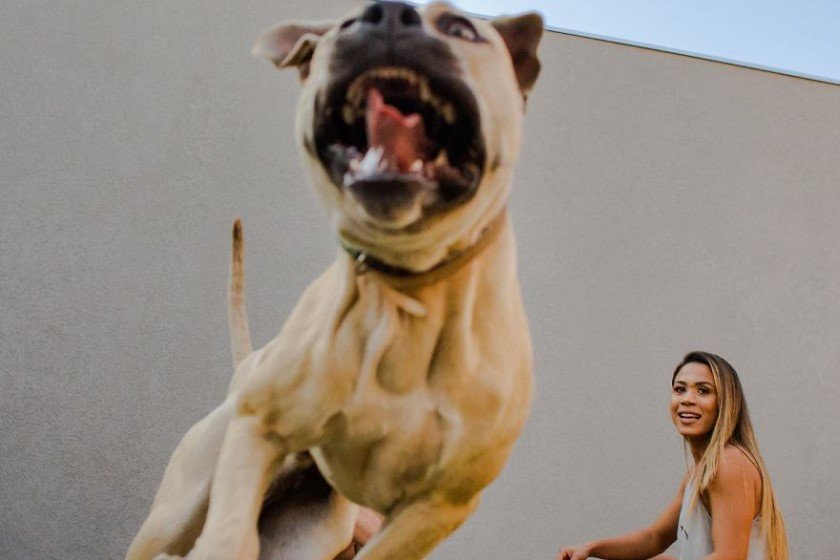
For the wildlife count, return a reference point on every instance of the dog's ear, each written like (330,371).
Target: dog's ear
(522,34)
(291,44)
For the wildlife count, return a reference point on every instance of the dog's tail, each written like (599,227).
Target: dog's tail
(240,337)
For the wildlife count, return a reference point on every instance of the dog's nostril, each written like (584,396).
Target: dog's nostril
(373,14)
(391,15)
(347,23)
(410,16)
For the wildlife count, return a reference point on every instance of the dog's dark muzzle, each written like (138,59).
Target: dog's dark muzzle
(396,119)
(390,33)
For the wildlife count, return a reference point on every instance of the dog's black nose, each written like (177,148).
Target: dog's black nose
(391,16)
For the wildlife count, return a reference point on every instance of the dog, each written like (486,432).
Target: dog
(402,378)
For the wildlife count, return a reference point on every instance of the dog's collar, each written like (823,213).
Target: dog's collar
(403,278)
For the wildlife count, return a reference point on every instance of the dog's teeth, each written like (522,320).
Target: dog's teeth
(424,92)
(448,113)
(356,91)
(441,159)
(417,166)
(354,165)
(394,72)
(371,161)
(406,75)
(348,113)
(433,101)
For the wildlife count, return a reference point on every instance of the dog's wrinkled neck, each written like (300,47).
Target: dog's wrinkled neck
(403,278)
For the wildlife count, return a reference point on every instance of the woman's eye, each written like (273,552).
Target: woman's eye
(679,389)
(458,27)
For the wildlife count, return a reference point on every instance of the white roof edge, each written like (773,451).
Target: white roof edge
(648,46)
(690,54)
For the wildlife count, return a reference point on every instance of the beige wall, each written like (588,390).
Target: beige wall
(662,204)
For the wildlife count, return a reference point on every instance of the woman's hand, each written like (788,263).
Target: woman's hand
(578,552)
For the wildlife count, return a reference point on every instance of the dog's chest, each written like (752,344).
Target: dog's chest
(382,451)
(420,405)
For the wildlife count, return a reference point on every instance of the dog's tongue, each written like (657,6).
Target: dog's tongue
(401,137)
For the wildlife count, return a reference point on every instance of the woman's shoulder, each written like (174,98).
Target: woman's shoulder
(736,481)
(736,465)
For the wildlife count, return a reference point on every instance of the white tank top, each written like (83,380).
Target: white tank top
(694,533)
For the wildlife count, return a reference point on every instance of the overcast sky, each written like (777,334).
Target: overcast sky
(797,36)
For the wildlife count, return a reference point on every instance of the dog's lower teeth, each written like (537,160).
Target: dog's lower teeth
(417,166)
(371,162)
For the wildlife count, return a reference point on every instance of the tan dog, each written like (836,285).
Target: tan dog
(405,370)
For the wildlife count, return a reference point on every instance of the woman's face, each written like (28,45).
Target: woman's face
(694,401)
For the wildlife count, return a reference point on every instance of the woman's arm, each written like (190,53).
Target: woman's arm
(638,545)
(733,497)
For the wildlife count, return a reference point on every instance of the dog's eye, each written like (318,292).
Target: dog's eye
(459,27)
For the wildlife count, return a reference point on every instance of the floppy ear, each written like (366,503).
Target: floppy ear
(291,44)
(522,34)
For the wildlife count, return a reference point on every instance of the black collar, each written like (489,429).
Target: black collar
(405,278)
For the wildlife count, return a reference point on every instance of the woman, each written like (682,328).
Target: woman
(725,508)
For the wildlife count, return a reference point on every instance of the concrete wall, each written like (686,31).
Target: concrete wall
(662,204)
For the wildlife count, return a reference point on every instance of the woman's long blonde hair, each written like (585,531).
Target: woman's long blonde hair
(733,427)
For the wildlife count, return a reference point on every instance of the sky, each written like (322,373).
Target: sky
(800,37)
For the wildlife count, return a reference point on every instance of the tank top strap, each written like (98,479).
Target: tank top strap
(694,531)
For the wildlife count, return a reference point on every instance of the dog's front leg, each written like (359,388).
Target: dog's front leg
(248,460)
(414,529)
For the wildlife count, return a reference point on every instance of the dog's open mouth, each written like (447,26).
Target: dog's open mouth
(394,134)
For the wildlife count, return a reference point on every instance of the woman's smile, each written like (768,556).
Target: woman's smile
(688,417)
